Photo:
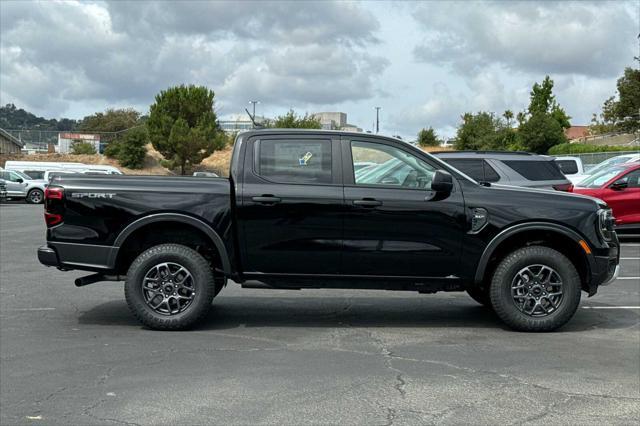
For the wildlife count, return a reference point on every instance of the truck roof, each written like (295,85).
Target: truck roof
(255,132)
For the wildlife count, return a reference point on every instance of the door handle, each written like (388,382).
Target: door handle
(367,202)
(266,199)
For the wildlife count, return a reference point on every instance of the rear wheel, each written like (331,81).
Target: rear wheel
(35,196)
(535,289)
(169,287)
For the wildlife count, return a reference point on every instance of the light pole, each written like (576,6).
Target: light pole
(377,118)
(254,110)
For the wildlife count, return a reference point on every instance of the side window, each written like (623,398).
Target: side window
(631,179)
(13,177)
(294,160)
(568,167)
(4,175)
(490,175)
(469,166)
(35,174)
(389,166)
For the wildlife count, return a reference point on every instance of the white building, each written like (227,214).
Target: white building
(335,121)
(66,141)
(236,123)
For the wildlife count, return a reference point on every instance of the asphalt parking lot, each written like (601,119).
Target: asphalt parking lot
(77,356)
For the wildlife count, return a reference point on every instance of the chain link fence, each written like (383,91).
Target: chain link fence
(591,159)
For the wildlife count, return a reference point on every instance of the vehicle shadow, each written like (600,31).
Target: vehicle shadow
(340,312)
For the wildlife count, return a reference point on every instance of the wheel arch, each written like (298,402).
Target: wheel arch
(183,221)
(555,236)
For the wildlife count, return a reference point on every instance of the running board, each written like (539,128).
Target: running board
(96,278)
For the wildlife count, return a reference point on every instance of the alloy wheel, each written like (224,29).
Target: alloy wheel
(537,290)
(168,288)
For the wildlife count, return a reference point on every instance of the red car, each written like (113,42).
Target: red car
(619,187)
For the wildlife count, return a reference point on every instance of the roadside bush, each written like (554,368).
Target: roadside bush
(131,148)
(80,148)
(113,149)
(582,148)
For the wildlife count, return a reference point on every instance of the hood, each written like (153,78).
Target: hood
(550,193)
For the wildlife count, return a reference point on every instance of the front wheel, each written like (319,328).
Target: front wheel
(169,287)
(535,289)
(35,196)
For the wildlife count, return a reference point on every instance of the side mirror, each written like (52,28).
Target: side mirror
(19,180)
(618,186)
(442,182)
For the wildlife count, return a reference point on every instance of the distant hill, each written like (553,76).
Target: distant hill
(17,118)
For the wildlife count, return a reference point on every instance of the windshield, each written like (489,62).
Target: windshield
(607,163)
(599,179)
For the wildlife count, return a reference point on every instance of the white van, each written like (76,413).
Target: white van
(36,169)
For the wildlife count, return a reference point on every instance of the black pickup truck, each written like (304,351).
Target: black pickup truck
(322,209)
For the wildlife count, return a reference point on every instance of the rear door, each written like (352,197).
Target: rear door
(290,212)
(393,224)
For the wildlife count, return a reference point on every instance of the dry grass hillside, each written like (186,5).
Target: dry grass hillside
(151,162)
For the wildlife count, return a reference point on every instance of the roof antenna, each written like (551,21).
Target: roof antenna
(255,125)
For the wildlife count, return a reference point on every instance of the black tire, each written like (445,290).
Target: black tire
(504,304)
(202,282)
(35,196)
(480,295)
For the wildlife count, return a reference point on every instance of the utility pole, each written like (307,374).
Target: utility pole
(377,119)
(254,111)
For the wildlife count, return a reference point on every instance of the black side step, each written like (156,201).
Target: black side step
(96,278)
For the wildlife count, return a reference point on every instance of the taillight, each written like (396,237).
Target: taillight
(563,187)
(52,193)
(55,193)
(52,219)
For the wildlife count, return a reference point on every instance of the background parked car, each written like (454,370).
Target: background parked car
(619,187)
(3,190)
(508,168)
(205,174)
(20,185)
(606,164)
(36,168)
(570,167)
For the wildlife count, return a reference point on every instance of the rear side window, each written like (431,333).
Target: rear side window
(295,161)
(535,170)
(476,168)
(34,174)
(568,167)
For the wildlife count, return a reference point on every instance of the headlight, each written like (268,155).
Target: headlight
(605,224)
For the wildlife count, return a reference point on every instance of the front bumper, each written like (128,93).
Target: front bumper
(613,277)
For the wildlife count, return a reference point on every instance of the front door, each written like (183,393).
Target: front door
(394,225)
(623,196)
(290,212)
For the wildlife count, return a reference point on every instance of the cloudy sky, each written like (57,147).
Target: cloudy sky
(425,64)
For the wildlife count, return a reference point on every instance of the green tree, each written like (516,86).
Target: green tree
(478,132)
(132,148)
(79,148)
(623,113)
(540,132)
(292,121)
(183,126)
(543,125)
(428,137)
(112,120)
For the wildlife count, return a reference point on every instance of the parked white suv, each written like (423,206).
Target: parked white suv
(620,159)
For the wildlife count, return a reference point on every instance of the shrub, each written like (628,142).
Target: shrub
(113,149)
(79,148)
(131,148)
